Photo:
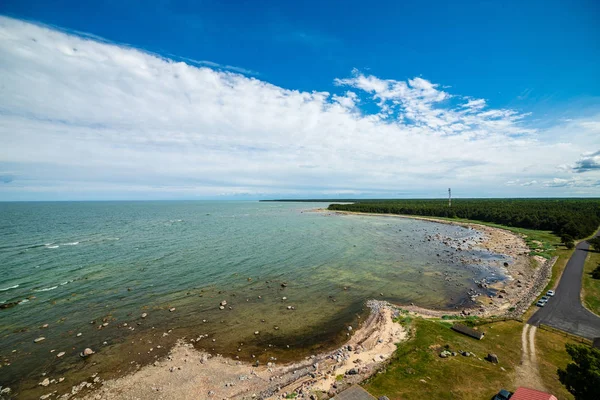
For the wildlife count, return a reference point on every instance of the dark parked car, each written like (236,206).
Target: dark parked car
(502,395)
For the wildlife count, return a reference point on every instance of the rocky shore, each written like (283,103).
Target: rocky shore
(190,374)
(527,276)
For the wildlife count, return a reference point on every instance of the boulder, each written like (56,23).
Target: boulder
(144,315)
(45,382)
(87,352)
(491,357)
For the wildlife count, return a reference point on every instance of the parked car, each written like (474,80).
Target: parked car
(545,298)
(550,293)
(502,395)
(540,303)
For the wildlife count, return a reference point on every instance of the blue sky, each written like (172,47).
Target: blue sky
(209,99)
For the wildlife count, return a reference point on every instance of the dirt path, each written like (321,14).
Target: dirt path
(527,374)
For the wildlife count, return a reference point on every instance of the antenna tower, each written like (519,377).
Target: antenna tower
(449,197)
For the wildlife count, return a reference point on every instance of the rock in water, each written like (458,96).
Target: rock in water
(45,382)
(144,315)
(87,352)
(224,303)
(39,339)
(62,353)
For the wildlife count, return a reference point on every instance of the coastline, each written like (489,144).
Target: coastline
(525,274)
(190,373)
(187,373)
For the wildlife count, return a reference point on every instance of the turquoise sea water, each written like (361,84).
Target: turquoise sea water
(68,264)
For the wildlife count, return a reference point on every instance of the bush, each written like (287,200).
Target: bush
(570,244)
(582,376)
(595,243)
(596,272)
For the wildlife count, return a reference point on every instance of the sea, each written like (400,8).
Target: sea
(253,281)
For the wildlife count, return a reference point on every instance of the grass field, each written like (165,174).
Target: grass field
(591,287)
(416,370)
(551,355)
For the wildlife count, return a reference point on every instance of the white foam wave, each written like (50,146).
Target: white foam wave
(24,301)
(52,247)
(8,288)
(71,244)
(45,289)
(66,282)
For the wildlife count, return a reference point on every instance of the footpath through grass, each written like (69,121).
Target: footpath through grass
(591,286)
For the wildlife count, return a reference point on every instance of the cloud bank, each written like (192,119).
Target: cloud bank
(79,115)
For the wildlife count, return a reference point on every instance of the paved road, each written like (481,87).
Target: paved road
(564,311)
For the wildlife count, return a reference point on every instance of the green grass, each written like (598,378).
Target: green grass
(591,286)
(417,360)
(551,355)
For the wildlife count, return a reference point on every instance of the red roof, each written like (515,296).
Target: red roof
(524,393)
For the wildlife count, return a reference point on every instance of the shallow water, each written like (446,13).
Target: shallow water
(70,263)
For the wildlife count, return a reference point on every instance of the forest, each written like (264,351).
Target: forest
(575,218)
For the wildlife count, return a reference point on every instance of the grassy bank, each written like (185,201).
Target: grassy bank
(591,287)
(416,370)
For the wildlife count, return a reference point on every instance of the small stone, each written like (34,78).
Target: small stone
(45,326)
(223,303)
(62,353)
(60,380)
(39,339)
(171,309)
(105,324)
(45,382)
(256,332)
(79,334)
(144,315)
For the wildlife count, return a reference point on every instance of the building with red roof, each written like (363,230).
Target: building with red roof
(524,393)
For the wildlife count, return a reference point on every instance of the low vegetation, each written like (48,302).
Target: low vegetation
(591,282)
(416,370)
(551,355)
(575,218)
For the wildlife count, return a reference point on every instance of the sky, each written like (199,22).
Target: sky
(140,100)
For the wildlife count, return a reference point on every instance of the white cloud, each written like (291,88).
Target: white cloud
(76,112)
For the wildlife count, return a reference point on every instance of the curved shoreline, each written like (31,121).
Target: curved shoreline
(189,373)
(525,274)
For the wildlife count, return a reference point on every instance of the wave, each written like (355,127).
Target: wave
(24,301)
(45,289)
(8,288)
(66,282)
(52,247)
(71,244)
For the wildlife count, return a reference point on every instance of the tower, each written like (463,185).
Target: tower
(449,197)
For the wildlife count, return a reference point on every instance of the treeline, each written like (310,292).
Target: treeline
(577,218)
